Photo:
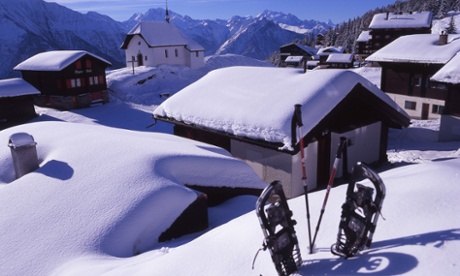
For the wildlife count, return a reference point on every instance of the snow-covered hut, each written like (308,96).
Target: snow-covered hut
(249,111)
(67,79)
(420,73)
(386,27)
(151,43)
(296,54)
(340,61)
(363,45)
(16,102)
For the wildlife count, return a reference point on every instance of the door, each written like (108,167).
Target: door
(140,60)
(425,111)
(324,160)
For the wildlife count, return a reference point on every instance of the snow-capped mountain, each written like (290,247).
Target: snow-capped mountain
(257,37)
(32,26)
(29,27)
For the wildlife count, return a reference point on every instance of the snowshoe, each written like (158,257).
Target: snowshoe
(360,212)
(278,228)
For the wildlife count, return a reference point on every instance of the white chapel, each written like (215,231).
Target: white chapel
(151,43)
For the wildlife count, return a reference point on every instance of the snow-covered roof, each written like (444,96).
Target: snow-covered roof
(449,73)
(16,87)
(120,208)
(157,33)
(340,58)
(258,103)
(401,20)
(294,59)
(54,60)
(364,36)
(419,48)
(330,49)
(306,48)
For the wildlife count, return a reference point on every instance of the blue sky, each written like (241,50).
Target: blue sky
(336,10)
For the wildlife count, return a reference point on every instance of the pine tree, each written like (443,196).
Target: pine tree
(451,29)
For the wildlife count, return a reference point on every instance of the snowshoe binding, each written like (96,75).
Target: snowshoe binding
(360,212)
(278,228)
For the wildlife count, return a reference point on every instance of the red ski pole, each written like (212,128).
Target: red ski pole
(299,124)
(329,186)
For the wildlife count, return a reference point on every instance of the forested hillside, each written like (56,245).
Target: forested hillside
(346,33)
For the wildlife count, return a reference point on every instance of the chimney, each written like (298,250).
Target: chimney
(443,38)
(386,18)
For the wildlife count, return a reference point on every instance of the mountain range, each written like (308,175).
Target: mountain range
(28,27)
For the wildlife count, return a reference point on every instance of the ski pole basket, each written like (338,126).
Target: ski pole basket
(278,228)
(360,212)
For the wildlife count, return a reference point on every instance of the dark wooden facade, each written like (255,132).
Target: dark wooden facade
(380,37)
(78,85)
(413,79)
(296,49)
(16,110)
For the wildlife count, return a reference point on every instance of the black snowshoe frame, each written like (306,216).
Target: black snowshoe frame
(278,228)
(360,212)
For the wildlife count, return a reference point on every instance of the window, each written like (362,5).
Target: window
(73,83)
(90,81)
(78,64)
(417,81)
(176,52)
(166,53)
(197,54)
(437,109)
(96,80)
(101,79)
(88,63)
(145,58)
(410,105)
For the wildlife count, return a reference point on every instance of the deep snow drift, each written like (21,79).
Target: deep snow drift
(107,186)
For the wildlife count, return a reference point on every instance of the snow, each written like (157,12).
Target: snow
(340,58)
(158,33)
(421,48)
(107,186)
(16,87)
(273,94)
(53,60)
(401,20)
(449,73)
(364,36)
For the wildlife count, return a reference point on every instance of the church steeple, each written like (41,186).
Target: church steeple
(167,12)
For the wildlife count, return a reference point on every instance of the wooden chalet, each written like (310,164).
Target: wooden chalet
(296,54)
(16,102)
(323,54)
(340,61)
(66,79)
(249,112)
(419,73)
(363,47)
(386,27)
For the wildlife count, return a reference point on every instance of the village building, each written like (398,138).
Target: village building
(386,27)
(66,79)
(419,73)
(340,61)
(16,102)
(249,111)
(296,55)
(151,43)
(363,47)
(323,54)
